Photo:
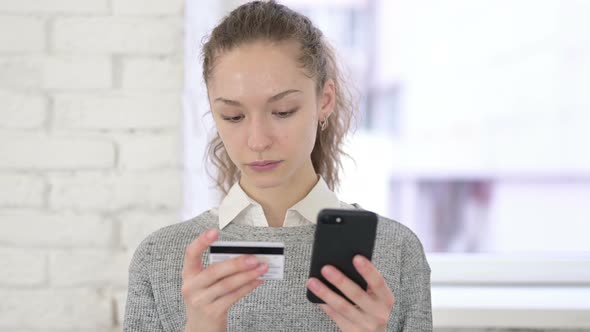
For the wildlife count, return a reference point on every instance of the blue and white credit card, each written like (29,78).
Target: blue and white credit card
(271,253)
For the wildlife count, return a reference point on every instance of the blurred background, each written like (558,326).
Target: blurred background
(474,133)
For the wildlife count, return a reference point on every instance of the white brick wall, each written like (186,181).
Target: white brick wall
(90,153)
(63,308)
(25,7)
(30,36)
(88,267)
(117,112)
(26,191)
(120,300)
(116,191)
(117,35)
(148,151)
(22,267)
(22,110)
(148,7)
(152,74)
(34,151)
(57,230)
(53,72)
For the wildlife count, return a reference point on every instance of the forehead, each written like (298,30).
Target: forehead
(258,69)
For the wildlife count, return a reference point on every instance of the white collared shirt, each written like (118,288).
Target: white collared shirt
(238,207)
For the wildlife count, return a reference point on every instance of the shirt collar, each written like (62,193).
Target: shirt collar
(234,202)
(320,197)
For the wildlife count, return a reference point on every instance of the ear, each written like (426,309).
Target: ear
(327,100)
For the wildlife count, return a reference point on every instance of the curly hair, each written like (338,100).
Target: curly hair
(268,20)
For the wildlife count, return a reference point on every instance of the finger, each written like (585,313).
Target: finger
(232,283)
(358,295)
(343,323)
(341,305)
(375,280)
(193,252)
(225,302)
(215,272)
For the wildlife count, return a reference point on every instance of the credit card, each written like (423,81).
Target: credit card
(271,253)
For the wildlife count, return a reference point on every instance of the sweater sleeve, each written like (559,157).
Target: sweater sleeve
(140,311)
(415,285)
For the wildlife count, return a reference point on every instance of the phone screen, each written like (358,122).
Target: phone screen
(340,235)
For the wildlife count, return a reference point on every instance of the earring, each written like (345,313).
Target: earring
(324,123)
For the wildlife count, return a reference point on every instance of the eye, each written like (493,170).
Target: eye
(285,114)
(233,119)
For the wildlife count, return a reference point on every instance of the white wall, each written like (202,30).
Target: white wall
(90,153)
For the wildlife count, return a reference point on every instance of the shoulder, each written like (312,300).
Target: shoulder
(393,229)
(188,228)
(173,238)
(395,237)
(410,247)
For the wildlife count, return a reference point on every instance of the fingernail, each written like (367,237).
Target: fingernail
(252,261)
(360,261)
(261,268)
(329,271)
(211,234)
(313,284)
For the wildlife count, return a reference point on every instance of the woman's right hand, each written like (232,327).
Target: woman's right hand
(209,293)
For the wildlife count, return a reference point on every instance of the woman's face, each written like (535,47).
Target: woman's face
(266,111)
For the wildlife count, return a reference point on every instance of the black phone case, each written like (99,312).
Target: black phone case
(336,243)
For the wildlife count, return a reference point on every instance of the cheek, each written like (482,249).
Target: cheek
(311,132)
(300,138)
(230,139)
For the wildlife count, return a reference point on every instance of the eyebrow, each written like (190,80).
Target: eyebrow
(270,100)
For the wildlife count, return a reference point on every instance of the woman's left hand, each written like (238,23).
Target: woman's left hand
(373,306)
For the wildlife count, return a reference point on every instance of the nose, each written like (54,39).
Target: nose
(259,136)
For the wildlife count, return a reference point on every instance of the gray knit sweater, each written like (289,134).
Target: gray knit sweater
(154,301)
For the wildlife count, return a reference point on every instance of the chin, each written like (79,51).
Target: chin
(265,181)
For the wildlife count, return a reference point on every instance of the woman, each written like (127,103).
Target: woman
(281,112)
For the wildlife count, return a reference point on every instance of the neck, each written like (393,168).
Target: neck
(275,201)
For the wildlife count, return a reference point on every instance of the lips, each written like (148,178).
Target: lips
(263,163)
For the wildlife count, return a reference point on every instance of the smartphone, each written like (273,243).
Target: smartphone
(339,236)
